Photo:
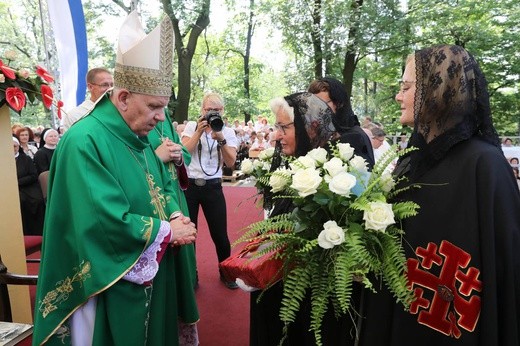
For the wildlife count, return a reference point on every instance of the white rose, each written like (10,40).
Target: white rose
(342,183)
(302,162)
(319,155)
(266,154)
(247,166)
(387,182)
(345,151)
(334,166)
(257,164)
(358,163)
(331,235)
(266,166)
(306,181)
(279,179)
(378,216)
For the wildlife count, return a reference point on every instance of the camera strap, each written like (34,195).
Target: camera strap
(210,149)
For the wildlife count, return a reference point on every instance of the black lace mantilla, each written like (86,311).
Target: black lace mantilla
(451,105)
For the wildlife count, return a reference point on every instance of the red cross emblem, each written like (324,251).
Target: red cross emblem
(455,303)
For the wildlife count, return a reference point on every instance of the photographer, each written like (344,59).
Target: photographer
(211,146)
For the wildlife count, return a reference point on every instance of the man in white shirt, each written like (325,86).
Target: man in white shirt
(211,146)
(99,80)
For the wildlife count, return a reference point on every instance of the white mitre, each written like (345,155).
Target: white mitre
(144,63)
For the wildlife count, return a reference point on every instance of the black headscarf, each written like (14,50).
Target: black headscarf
(344,118)
(451,104)
(312,121)
(313,128)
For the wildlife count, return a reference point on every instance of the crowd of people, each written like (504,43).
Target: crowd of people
(126,184)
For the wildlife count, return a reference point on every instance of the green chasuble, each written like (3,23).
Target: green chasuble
(162,131)
(108,193)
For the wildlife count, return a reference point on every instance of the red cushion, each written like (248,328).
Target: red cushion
(32,243)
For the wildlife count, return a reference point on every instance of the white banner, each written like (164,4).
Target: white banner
(68,24)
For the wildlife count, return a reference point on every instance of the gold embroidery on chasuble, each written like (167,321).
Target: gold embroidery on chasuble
(147,227)
(63,289)
(172,170)
(157,198)
(63,333)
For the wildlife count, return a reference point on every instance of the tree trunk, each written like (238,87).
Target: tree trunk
(350,62)
(365,94)
(316,39)
(185,55)
(249,38)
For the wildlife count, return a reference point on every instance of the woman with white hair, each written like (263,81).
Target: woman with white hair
(303,122)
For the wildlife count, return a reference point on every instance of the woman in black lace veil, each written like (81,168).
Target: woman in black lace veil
(303,122)
(462,247)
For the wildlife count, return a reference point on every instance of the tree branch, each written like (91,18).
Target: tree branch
(121,4)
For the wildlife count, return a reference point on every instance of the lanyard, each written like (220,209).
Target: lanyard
(199,150)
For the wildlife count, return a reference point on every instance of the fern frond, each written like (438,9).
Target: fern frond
(279,223)
(403,210)
(394,268)
(295,285)
(385,160)
(320,291)
(343,283)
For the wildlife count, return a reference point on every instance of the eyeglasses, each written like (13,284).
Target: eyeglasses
(282,127)
(104,85)
(213,109)
(380,139)
(405,85)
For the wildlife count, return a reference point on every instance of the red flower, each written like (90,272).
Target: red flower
(47,95)
(40,71)
(16,98)
(60,104)
(7,71)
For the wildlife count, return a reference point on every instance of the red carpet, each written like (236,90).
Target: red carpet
(224,313)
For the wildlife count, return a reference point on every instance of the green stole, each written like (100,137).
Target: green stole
(165,130)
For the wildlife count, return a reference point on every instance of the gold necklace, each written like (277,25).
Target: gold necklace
(161,134)
(157,199)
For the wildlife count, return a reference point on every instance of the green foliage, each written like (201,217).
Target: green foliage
(218,66)
(380,34)
(372,39)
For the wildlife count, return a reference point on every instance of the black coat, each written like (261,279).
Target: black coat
(42,159)
(463,257)
(31,198)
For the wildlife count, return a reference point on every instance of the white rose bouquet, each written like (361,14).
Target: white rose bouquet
(259,170)
(344,227)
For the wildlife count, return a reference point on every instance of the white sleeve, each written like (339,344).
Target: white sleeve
(231,137)
(189,130)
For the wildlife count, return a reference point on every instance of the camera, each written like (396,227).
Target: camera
(215,121)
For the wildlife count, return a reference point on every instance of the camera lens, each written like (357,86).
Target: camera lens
(215,121)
